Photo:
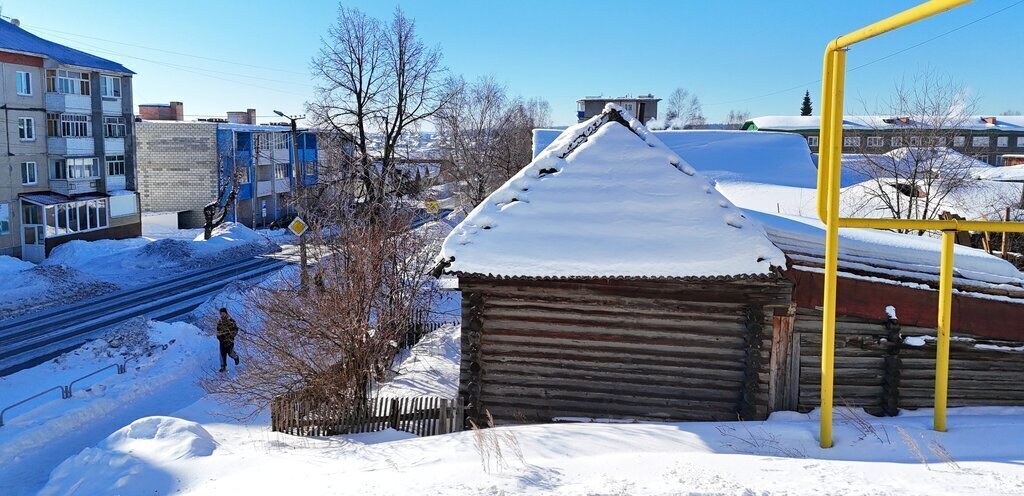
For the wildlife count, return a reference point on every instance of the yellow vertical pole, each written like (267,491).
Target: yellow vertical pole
(828,328)
(944,326)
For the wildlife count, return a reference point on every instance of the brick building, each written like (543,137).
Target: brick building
(185,165)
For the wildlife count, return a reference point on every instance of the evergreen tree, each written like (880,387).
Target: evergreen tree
(805,108)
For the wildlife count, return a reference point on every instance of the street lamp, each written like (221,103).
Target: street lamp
(303,278)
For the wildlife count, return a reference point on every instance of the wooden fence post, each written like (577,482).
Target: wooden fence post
(746,407)
(891,376)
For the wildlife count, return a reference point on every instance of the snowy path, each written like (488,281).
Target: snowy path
(29,339)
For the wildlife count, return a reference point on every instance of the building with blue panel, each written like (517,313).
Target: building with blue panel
(183,166)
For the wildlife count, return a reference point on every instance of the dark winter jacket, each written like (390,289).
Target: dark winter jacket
(227,329)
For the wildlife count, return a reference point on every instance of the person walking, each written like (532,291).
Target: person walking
(227,329)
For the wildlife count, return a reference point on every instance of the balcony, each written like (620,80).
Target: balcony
(276,186)
(112,106)
(113,146)
(69,187)
(60,102)
(115,183)
(72,146)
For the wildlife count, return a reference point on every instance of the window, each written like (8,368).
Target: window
(812,141)
(115,165)
(280,141)
(53,124)
(1020,142)
(983,141)
(29,173)
(5,218)
(74,168)
(67,82)
(26,129)
(915,141)
(110,86)
(281,170)
(23,83)
(1003,141)
(30,214)
(939,141)
(876,141)
(851,141)
(75,126)
(114,127)
(66,218)
(896,141)
(959,140)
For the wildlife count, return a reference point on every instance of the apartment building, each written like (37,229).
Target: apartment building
(996,140)
(185,165)
(69,170)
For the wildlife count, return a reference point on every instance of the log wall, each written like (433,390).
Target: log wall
(536,350)
(874,369)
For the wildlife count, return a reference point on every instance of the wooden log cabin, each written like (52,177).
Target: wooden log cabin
(609,279)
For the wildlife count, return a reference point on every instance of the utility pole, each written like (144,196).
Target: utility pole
(296,195)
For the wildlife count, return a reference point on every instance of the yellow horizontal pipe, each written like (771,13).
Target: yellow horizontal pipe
(899,20)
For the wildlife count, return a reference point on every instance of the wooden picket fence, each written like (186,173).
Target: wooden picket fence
(423,416)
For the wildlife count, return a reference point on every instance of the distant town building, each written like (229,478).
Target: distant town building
(185,165)
(643,107)
(69,171)
(992,139)
(174,111)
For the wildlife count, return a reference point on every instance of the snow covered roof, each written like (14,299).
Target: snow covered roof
(15,39)
(892,258)
(869,122)
(1014,173)
(608,199)
(729,155)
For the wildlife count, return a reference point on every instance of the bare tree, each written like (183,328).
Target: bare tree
(682,111)
(737,118)
(486,136)
(921,175)
(329,344)
(377,82)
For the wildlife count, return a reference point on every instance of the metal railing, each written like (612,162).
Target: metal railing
(829,167)
(66,391)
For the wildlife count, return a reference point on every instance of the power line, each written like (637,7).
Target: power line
(893,54)
(182,66)
(197,70)
(276,69)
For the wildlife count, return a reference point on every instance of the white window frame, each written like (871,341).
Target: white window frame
(1002,141)
(110,86)
(812,141)
(114,127)
(915,141)
(27,128)
(29,173)
(876,141)
(115,165)
(5,218)
(64,212)
(959,140)
(896,141)
(851,141)
(68,82)
(982,141)
(75,125)
(1020,141)
(23,83)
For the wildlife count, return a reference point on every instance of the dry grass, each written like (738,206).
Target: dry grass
(856,418)
(495,446)
(757,442)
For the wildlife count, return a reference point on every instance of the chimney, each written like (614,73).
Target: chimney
(16,22)
(178,110)
(989,120)
(252,115)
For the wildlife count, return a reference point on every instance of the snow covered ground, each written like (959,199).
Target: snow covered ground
(81,269)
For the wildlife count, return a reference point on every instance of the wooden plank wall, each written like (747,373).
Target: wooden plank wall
(652,350)
(882,374)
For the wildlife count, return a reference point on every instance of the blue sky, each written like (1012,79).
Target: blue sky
(732,54)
